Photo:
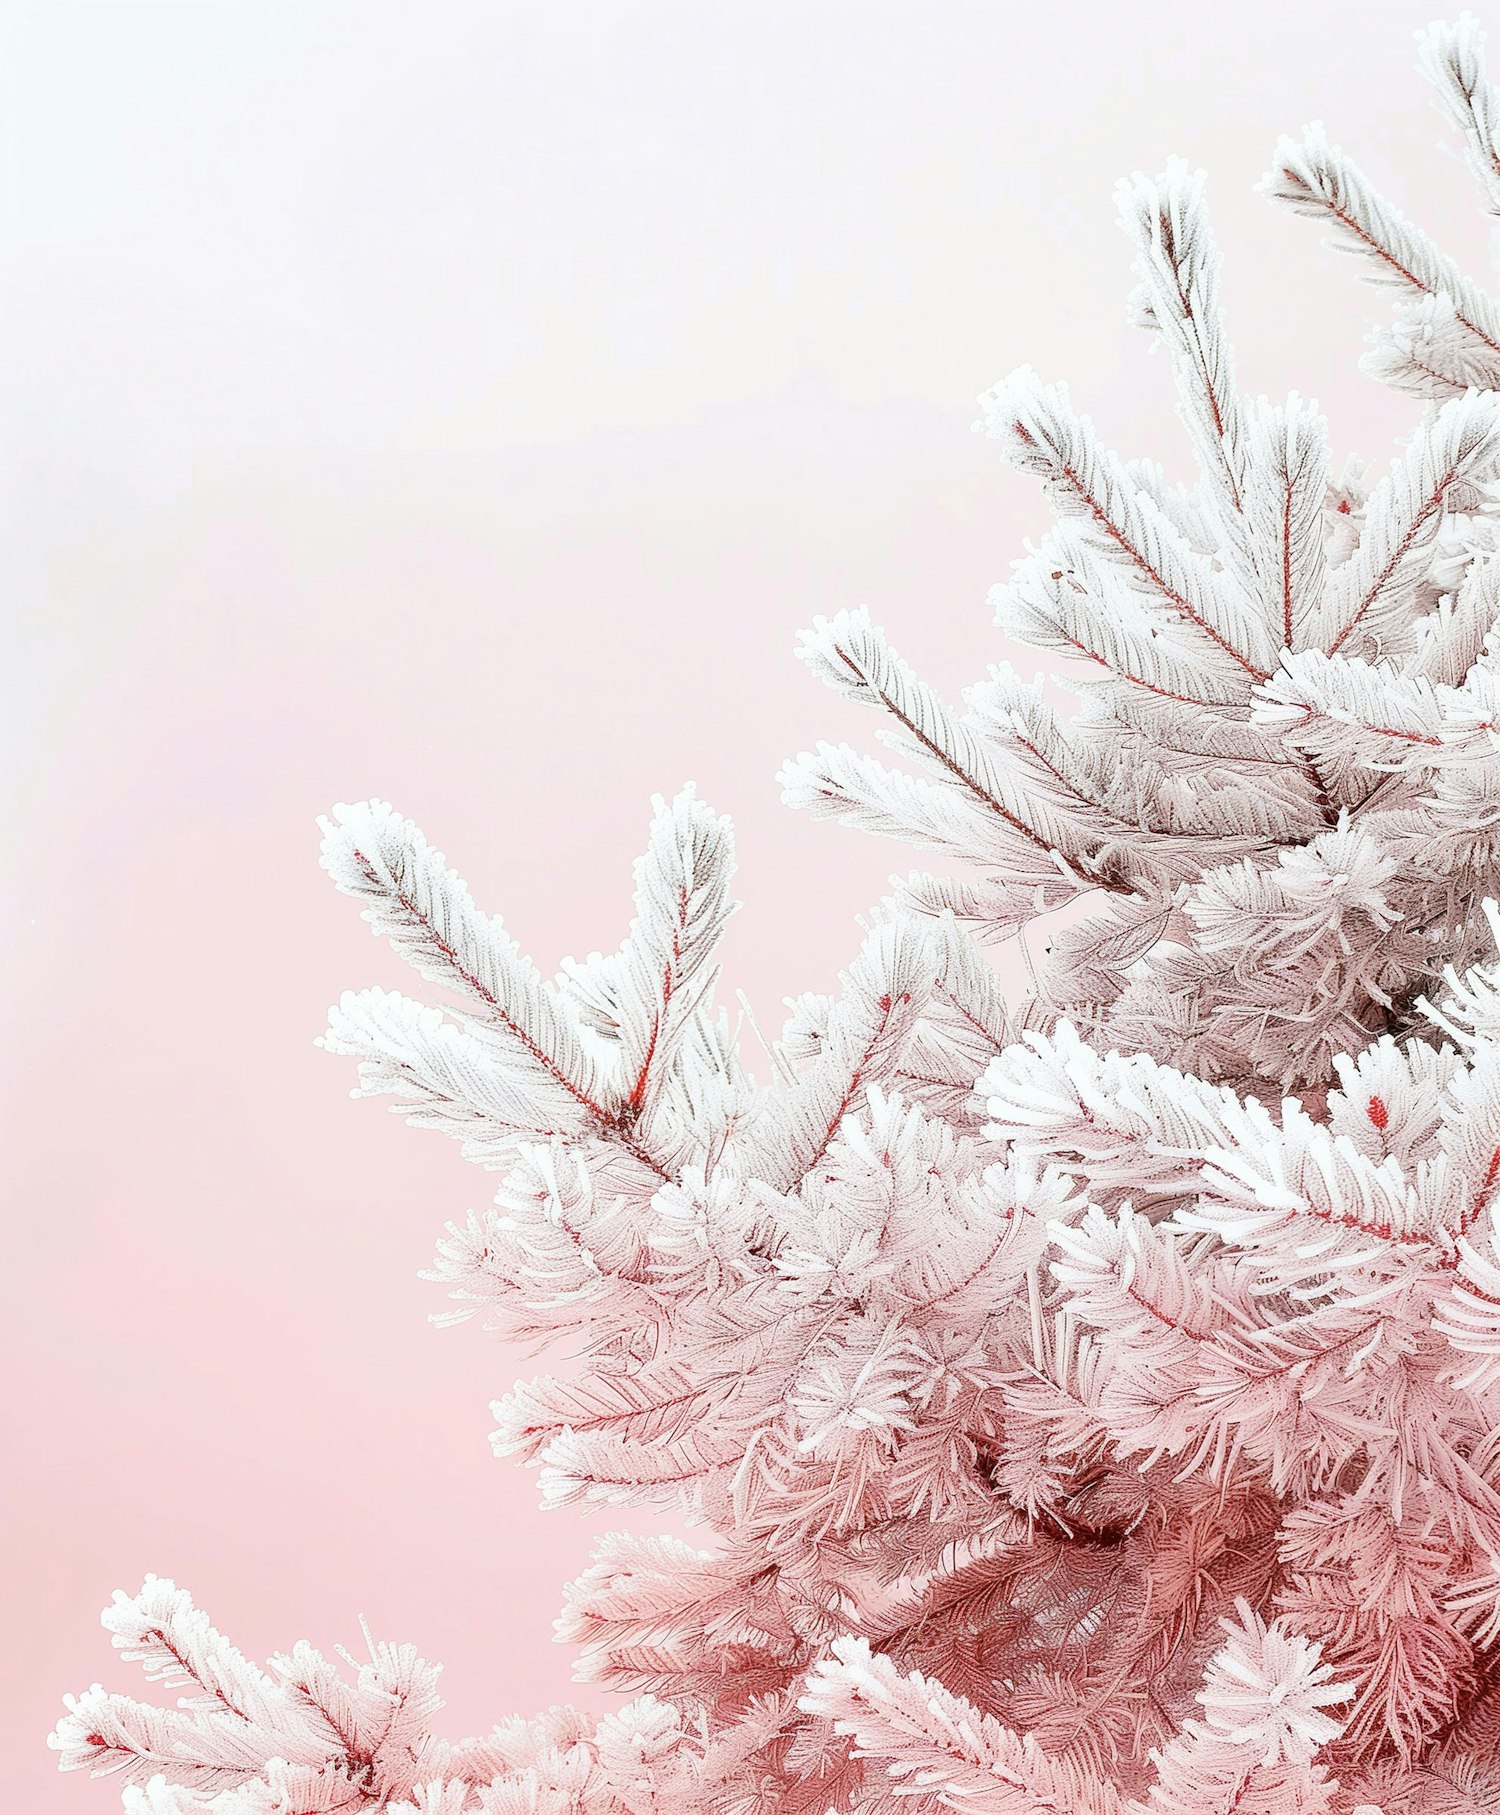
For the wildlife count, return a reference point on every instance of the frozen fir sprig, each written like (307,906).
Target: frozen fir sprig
(301,1739)
(1445,336)
(1275,807)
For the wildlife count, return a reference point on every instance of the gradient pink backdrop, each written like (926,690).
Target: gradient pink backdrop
(466,403)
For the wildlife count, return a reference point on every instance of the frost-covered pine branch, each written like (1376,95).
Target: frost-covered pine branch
(1445,337)
(1273,804)
(301,1739)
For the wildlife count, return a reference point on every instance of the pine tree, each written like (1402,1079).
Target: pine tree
(1077,1422)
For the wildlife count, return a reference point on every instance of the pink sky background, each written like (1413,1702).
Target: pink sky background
(466,403)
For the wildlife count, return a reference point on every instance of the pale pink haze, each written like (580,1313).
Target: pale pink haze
(468,408)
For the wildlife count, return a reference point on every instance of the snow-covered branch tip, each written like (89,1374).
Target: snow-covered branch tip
(301,1736)
(1445,337)
(598,1055)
